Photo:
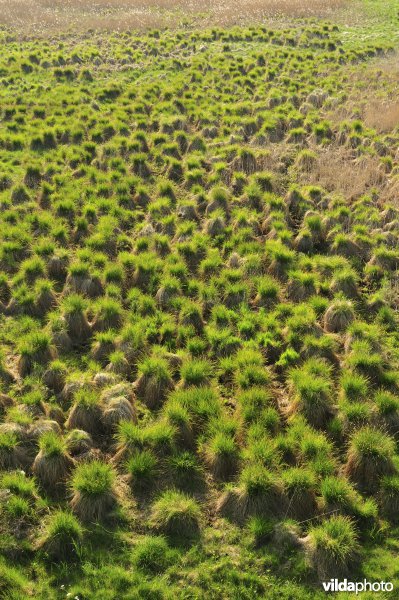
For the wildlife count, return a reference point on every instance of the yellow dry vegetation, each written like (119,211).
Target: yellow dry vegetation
(39,16)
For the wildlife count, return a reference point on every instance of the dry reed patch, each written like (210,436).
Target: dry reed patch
(372,95)
(381,104)
(231,11)
(41,16)
(382,115)
(377,111)
(337,171)
(391,192)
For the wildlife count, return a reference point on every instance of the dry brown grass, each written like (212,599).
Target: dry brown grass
(373,95)
(382,116)
(381,111)
(41,16)
(336,170)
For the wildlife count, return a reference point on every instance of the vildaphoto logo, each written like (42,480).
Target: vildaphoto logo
(335,585)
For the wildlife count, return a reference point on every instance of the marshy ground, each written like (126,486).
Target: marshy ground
(199,383)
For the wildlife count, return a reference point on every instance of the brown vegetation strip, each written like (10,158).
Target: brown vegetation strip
(39,16)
